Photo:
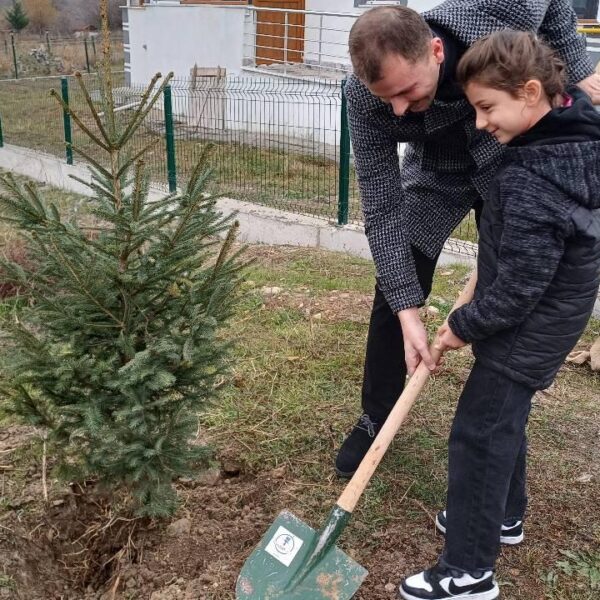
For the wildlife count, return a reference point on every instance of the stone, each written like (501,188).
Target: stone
(231,468)
(180,527)
(271,291)
(210,477)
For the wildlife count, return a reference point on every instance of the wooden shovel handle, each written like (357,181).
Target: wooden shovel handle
(359,481)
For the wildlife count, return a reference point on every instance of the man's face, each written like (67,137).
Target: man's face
(409,86)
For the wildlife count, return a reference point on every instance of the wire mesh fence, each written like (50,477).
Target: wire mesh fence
(276,140)
(279,142)
(24,55)
(33,119)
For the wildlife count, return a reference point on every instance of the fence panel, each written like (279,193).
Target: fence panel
(27,55)
(277,141)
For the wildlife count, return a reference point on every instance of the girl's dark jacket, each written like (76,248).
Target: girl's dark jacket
(539,248)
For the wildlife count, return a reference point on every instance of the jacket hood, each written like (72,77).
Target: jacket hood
(564,148)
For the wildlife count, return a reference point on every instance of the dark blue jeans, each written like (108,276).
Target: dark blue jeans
(486,467)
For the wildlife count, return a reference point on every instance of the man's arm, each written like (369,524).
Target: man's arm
(559,28)
(531,248)
(378,171)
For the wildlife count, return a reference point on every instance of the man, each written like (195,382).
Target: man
(404,90)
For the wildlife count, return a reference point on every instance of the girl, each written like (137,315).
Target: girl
(538,277)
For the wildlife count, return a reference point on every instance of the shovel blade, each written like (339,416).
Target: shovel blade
(271,566)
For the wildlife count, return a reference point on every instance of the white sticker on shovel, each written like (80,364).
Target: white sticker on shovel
(284,546)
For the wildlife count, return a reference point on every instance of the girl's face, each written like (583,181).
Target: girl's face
(499,112)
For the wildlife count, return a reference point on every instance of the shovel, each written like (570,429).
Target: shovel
(295,562)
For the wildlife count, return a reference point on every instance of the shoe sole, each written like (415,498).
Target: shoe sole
(489,595)
(513,540)
(344,475)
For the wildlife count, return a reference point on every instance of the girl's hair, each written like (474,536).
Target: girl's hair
(506,60)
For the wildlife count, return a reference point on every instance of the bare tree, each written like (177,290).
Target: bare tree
(76,14)
(42,14)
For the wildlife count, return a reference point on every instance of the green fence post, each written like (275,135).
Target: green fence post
(67,120)
(14,53)
(1,135)
(170,136)
(344,173)
(87,55)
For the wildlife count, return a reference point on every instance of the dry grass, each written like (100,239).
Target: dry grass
(295,392)
(66,56)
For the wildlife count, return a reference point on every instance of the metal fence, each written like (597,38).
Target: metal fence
(299,43)
(32,55)
(276,141)
(279,142)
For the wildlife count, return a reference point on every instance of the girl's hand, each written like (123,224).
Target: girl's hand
(447,340)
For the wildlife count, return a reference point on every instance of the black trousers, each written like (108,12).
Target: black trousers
(487,455)
(385,369)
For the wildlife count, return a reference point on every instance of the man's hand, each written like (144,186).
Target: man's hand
(416,345)
(591,86)
(447,340)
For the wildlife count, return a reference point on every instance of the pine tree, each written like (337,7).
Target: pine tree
(118,347)
(16,16)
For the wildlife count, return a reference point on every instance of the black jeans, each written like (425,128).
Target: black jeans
(385,369)
(486,467)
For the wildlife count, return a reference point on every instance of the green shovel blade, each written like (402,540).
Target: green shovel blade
(270,569)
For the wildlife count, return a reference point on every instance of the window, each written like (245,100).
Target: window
(586,9)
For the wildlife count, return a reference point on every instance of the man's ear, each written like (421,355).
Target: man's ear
(437,48)
(532,92)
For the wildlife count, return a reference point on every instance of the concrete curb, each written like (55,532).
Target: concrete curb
(258,224)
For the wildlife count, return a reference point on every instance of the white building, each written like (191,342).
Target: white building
(174,35)
(268,67)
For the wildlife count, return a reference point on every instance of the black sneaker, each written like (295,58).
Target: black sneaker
(439,583)
(511,533)
(356,445)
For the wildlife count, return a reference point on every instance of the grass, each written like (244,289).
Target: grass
(295,390)
(6,582)
(297,182)
(576,575)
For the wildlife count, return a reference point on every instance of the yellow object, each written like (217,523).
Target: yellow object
(588,26)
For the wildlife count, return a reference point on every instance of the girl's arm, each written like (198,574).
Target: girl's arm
(536,223)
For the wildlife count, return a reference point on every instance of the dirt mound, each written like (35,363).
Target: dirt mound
(77,547)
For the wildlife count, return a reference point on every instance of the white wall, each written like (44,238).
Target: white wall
(282,112)
(172,38)
(422,5)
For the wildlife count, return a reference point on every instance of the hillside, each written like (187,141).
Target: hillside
(73,14)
